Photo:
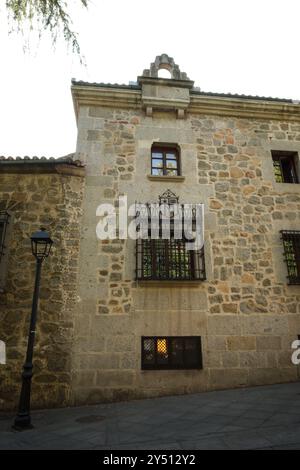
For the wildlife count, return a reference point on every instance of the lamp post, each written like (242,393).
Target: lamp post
(41,245)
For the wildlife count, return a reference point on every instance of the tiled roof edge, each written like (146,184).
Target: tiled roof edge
(193,91)
(105,85)
(68,159)
(245,97)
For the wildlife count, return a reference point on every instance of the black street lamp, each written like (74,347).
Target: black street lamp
(41,245)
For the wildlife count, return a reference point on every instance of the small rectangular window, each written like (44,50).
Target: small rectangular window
(5,230)
(171,352)
(291,245)
(165,161)
(285,168)
(4,220)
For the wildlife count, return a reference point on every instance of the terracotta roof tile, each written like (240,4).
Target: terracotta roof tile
(69,159)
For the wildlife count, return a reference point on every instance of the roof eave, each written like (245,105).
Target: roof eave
(41,167)
(245,108)
(200,103)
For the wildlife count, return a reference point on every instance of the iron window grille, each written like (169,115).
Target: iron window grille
(4,221)
(168,260)
(165,161)
(163,259)
(284,164)
(171,352)
(291,245)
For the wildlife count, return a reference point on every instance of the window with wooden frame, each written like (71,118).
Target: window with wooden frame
(291,245)
(285,166)
(165,160)
(171,352)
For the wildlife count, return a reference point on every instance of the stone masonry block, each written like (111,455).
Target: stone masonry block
(266,343)
(224,325)
(241,343)
(115,378)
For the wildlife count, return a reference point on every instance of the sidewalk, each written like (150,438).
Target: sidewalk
(253,418)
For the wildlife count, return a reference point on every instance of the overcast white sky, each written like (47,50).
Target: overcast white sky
(236,46)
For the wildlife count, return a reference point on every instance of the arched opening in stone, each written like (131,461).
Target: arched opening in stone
(164,73)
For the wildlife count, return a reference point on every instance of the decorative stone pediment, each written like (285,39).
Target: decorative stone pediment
(165,94)
(163,61)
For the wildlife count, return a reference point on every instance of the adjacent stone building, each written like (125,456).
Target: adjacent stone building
(35,193)
(121,319)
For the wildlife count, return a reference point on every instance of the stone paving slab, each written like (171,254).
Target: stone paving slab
(252,418)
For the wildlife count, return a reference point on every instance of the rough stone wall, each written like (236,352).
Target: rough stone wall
(52,201)
(104,346)
(253,313)
(245,313)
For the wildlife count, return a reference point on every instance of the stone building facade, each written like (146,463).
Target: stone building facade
(35,193)
(94,313)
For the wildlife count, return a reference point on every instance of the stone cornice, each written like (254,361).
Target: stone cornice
(166,82)
(123,98)
(244,108)
(165,104)
(70,170)
(105,96)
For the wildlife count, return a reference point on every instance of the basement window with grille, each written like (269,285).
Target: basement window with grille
(171,352)
(291,245)
(285,167)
